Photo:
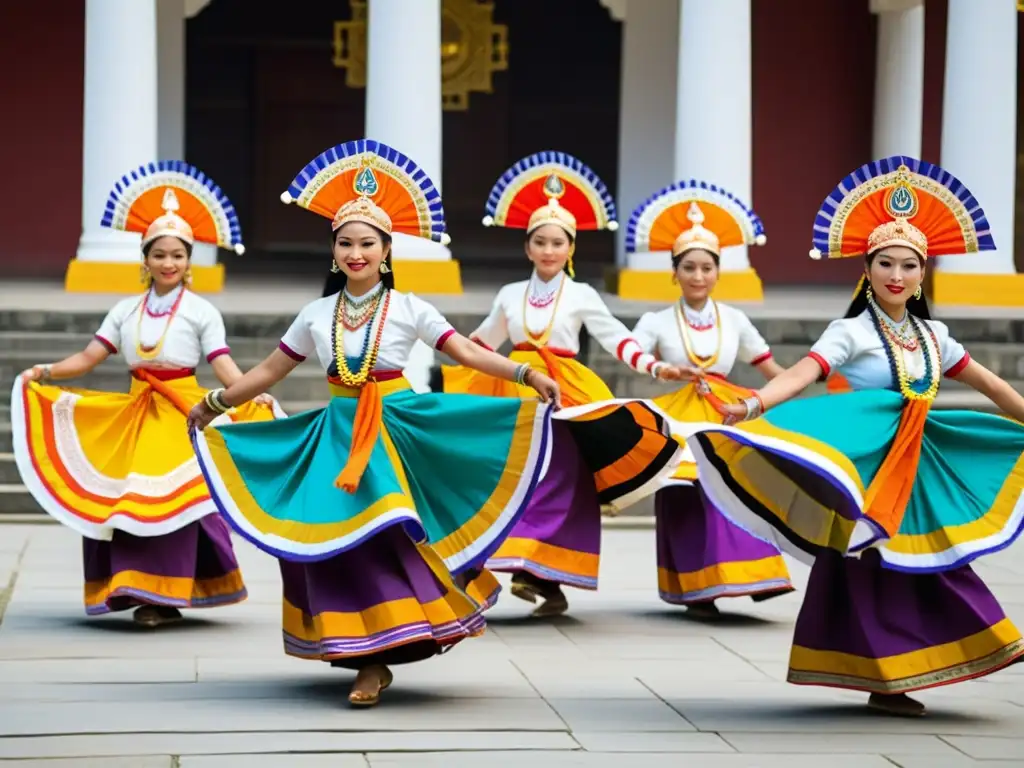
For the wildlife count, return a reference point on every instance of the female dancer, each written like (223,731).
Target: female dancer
(701,554)
(428,483)
(118,468)
(891,501)
(553,196)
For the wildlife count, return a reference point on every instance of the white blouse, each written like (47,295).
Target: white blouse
(579,305)
(660,333)
(409,319)
(854,348)
(196,330)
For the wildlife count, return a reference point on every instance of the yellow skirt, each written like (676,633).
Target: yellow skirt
(689,405)
(101,461)
(579,384)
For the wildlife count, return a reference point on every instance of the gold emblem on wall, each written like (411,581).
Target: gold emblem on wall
(473,47)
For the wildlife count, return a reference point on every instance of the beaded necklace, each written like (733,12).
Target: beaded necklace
(358,311)
(151,353)
(541,339)
(683,323)
(368,354)
(924,337)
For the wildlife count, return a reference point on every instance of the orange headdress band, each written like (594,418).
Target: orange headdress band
(370,182)
(692,214)
(872,208)
(173,198)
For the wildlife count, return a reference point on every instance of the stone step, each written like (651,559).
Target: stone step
(49,346)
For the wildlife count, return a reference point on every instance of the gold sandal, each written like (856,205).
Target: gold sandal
(356,698)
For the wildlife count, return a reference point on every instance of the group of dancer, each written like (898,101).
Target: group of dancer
(388,510)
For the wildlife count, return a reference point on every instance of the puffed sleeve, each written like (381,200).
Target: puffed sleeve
(954,357)
(297,341)
(753,349)
(212,337)
(493,331)
(431,326)
(109,334)
(610,333)
(646,332)
(833,348)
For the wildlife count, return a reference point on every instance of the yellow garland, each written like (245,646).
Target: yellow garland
(358,379)
(694,358)
(929,348)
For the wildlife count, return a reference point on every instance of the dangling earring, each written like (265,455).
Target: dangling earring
(869,293)
(334,267)
(144,276)
(384,268)
(917,293)
(571,269)
(188,277)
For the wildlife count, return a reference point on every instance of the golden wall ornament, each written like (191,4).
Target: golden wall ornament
(473,47)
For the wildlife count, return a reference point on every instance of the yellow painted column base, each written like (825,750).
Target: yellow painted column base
(998,290)
(415,276)
(124,277)
(644,285)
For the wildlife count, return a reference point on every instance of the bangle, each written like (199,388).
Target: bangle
(522,370)
(46,372)
(657,368)
(754,406)
(215,401)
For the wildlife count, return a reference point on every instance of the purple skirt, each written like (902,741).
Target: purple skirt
(194,567)
(386,601)
(558,538)
(867,628)
(703,556)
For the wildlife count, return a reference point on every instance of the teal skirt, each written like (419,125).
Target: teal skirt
(798,476)
(456,471)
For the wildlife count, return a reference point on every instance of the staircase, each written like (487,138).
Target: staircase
(46,336)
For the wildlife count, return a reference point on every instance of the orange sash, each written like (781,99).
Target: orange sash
(365,430)
(887,496)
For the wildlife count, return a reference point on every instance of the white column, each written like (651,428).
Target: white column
(979,121)
(713,111)
(119,130)
(647,117)
(403,110)
(170,139)
(899,78)
(403,93)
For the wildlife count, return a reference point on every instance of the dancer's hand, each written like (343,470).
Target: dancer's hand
(546,387)
(264,399)
(734,412)
(677,373)
(36,373)
(200,416)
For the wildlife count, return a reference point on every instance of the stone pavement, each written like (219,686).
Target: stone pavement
(624,681)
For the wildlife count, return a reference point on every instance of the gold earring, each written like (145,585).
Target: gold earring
(384,268)
(917,293)
(144,276)
(334,267)
(869,293)
(188,277)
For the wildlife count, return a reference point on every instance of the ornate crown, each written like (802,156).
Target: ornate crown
(363,208)
(898,232)
(871,208)
(550,188)
(171,197)
(373,183)
(696,236)
(170,223)
(692,214)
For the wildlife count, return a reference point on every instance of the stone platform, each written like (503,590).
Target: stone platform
(624,680)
